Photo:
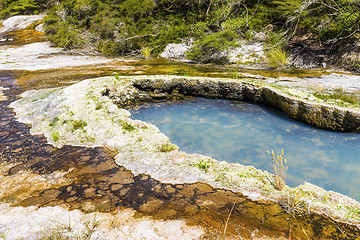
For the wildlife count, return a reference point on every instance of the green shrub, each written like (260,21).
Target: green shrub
(109,48)
(65,36)
(19,7)
(210,48)
(173,31)
(128,26)
(330,22)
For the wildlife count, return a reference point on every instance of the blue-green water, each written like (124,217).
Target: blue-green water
(241,132)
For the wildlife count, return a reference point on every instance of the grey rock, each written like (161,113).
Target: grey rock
(176,50)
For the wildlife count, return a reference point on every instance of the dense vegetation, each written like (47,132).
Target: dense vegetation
(123,27)
(20,7)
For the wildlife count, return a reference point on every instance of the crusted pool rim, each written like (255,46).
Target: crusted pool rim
(315,112)
(86,114)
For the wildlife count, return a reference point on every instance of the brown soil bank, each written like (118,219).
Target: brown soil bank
(320,115)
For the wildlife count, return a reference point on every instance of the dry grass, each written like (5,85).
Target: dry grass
(279,168)
(66,232)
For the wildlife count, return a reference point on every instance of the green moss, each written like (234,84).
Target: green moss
(168,147)
(128,126)
(340,94)
(53,121)
(182,72)
(78,124)
(352,212)
(204,164)
(55,136)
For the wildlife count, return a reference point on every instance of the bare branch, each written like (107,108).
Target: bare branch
(139,36)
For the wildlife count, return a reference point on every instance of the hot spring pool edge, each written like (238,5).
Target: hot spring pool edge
(85,114)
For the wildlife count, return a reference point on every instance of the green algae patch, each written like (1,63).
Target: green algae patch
(309,196)
(85,114)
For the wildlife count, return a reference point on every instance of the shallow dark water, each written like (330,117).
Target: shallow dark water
(241,132)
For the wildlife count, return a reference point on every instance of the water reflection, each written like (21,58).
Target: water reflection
(242,132)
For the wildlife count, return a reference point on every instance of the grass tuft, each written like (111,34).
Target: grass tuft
(234,72)
(66,232)
(53,121)
(146,52)
(277,57)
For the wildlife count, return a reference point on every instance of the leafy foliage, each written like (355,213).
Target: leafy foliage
(330,22)
(9,8)
(209,48)
(126,27)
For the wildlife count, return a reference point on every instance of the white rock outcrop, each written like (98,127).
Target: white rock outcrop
(176,50)
(40,55)
(19,22)
(46,222)
(247,53)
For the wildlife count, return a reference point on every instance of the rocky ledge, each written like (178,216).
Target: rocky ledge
(87,114)
(316,112)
